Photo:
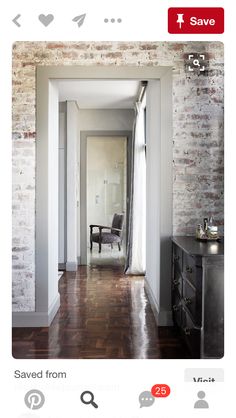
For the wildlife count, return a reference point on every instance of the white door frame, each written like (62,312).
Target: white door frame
(46,263)
(83,183)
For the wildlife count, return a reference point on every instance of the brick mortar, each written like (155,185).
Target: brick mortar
(198,147)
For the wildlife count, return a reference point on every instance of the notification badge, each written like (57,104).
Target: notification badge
(196,20)
(160,390)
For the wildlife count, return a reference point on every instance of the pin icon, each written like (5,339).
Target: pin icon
(180,19)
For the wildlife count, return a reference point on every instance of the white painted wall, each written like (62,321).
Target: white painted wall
(62,186)
(78,203)
(153,123)
(159,198)
(106,119)
(106,179)
(72,140)
(166,224)
(53,134)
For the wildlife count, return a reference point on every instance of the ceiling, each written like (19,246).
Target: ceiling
(100,94)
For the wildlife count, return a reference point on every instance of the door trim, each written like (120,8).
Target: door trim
(45,75)
(83,182)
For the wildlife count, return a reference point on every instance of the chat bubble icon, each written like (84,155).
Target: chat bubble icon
(146,399)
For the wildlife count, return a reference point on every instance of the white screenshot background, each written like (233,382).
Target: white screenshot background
(115,383)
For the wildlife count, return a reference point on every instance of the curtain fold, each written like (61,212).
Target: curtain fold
(136,250)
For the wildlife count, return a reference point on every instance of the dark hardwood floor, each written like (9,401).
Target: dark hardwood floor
(104,314)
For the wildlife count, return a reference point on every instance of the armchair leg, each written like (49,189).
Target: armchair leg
(100,239)
(119,246)
(91,238)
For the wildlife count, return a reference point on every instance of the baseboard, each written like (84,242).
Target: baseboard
(61,266)
(71,266)
(152,300)
(36,319)
(55,305)
(162,318)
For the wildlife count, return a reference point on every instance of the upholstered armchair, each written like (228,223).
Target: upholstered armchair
(114,236)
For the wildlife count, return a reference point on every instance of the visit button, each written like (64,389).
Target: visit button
(196,20)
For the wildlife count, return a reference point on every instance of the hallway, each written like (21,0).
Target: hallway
(108,257)
(103,315)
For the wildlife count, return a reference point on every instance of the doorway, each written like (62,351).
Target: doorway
(105,189)
(159,181)
(106,192)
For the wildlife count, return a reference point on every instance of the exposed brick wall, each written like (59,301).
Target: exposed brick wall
(197,135)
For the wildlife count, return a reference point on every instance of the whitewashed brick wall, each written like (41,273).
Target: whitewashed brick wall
(197,136)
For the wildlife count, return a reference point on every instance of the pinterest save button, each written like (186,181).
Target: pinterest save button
(196,20)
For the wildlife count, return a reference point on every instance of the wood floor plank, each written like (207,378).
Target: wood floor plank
(104,314)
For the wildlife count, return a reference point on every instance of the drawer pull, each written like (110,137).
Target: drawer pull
(187,331)
(175,308)
(187,301)
(189,269)
(176,282)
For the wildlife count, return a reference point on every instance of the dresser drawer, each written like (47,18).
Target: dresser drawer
(177,308)
(190,269)
(177,257)
(192,302)
(177,280)
(191,334)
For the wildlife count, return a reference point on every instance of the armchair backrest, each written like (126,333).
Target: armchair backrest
(117,222)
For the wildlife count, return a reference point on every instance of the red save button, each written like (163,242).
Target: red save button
(196,20)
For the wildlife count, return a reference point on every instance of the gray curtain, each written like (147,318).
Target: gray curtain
(130,217)
(136,257)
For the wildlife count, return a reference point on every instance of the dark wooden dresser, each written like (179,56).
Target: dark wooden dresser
(198,295)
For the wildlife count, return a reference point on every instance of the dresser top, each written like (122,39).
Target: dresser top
(198,248)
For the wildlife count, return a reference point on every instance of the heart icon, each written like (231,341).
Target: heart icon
(46,19)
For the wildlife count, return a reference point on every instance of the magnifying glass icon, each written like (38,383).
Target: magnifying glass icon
(87,398)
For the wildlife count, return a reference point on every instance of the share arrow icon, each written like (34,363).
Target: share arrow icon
(79,19)
(15,20)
